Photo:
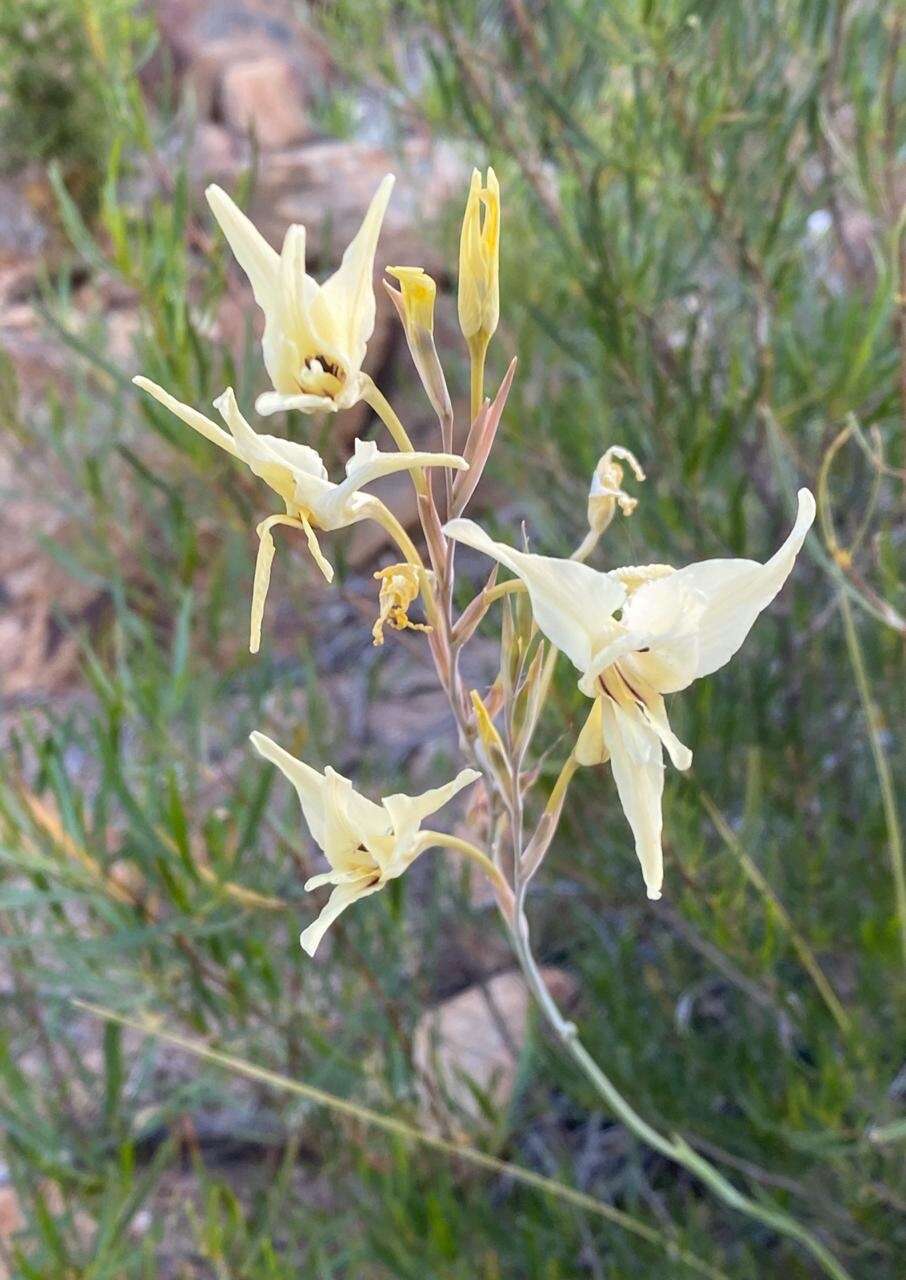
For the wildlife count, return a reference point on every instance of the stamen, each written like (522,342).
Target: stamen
(320,364)
(633,576)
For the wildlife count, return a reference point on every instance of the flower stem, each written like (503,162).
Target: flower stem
(501,589)
(586,546)
(411,1134)
(440,839)
(375,398)
(675,1148)
(478,350)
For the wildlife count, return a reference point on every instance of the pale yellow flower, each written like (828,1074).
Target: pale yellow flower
(479,260)
(315,335)
(366,844)
(674,626)
(298,475)
(400,585)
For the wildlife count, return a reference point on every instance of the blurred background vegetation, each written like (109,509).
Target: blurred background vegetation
(703,259)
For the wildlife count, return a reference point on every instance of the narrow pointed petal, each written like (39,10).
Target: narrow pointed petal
(254,450)
(297,288)
(367,819)
(573,604)
(655,712)
(638,770)
(259,261)
(333,877)
(270,402)
(204,426)
(308,782)
(349,293)
(315,548)
(343,896)
(263,562)
(731,595)
(590,748)
(408,812)
(351,820)
(370,463)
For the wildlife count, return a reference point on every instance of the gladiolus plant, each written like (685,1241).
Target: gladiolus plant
(635,635)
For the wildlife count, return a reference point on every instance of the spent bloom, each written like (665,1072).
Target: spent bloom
(366,844)
(479,261)
(607,492)
(674,626)
(400,586)
(297,473)
(315,335)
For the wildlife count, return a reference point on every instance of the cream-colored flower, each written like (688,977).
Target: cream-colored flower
(366,844)
(479,260)
(315,335)
(674,626)
(297,474)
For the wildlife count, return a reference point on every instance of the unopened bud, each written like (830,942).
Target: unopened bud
(479,260)
(414,303)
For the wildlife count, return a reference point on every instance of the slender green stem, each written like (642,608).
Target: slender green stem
(375,398)
(502,589)
(882,765)
(478,350)
(441,839)
(409,1133)
(676,1148)
(800,946)
(586,546)
(538,845)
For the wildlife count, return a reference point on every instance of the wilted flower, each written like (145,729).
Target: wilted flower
(675,626)
(315,335)
(479,261)
(400,585)
(365,843)
(607,492)
(297,473)
(414,303)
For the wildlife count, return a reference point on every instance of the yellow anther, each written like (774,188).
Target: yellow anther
(634,576)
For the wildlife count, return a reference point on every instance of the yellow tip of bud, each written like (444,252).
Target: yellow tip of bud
(417,294)
(487,730)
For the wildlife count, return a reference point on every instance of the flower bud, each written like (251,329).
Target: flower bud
(414,303)
(479,261)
